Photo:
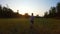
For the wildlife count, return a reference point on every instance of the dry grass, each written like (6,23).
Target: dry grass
(22,26)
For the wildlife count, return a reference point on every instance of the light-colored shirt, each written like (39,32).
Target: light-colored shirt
(32,18)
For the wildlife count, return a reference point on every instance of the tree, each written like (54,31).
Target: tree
(26,15)
(46,14)
(37,16)
(0,11)
(58,9)
(52,11)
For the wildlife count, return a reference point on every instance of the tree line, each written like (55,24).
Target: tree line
(54,12)
(6,12)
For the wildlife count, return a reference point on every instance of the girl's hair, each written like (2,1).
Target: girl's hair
(32,14)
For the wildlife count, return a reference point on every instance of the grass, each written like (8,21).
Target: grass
(22,26)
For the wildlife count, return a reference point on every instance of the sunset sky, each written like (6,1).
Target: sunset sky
(30,6)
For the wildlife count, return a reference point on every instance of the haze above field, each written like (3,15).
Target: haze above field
(30,6)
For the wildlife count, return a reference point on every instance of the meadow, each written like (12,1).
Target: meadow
(22,26)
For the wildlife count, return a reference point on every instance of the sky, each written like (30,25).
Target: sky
(38,7)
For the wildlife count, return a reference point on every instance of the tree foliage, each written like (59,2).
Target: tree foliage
(53,12)
(6,12)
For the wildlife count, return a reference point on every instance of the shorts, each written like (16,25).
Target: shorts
(32,22)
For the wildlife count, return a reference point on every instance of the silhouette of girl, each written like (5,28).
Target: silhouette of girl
(32,19)
(31,23)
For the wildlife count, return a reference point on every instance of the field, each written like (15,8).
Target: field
(22,26)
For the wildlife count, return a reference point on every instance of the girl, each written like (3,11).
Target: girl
(32,19)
